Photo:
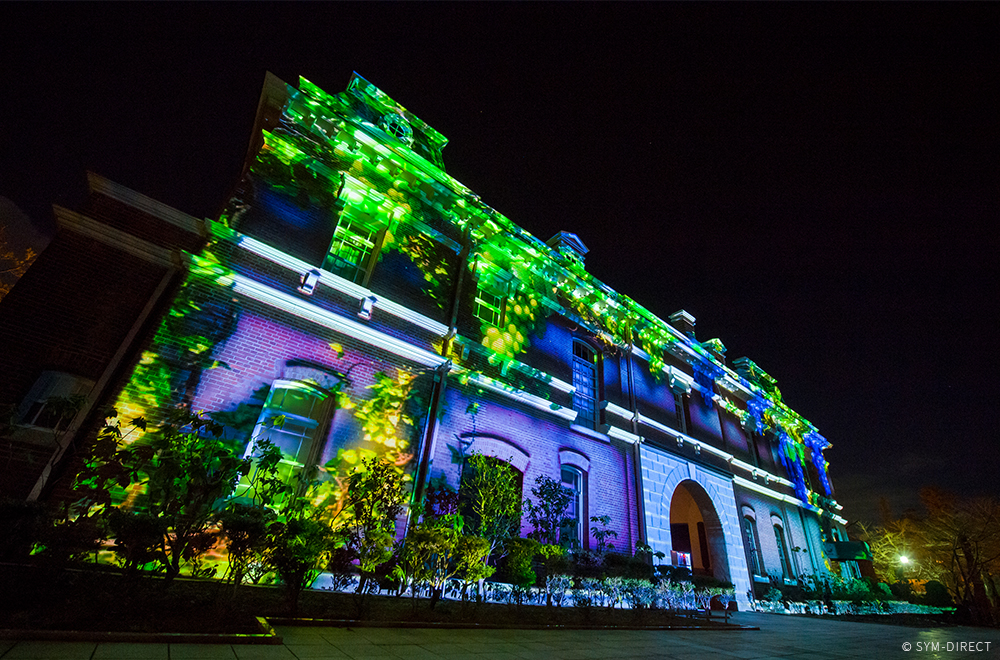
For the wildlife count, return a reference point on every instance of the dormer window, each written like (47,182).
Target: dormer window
(397,126)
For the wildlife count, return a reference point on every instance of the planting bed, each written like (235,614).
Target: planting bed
(101,600)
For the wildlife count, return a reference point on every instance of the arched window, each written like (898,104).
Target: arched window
(476,490)
(779,539)
(752,543)
(291,419)
(585,392)
(572,532)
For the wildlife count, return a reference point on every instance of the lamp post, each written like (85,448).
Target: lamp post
(903,562)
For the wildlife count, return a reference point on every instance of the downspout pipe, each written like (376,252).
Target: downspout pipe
(640,503)
(440,382)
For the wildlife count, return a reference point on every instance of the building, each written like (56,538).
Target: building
(354,288)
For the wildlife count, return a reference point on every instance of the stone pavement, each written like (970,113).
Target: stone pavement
(779,637)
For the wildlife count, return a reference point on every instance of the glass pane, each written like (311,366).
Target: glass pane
(350,251)
(299,403)
(585,385)
(489,307)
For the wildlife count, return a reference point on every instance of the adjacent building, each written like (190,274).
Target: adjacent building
(352,288)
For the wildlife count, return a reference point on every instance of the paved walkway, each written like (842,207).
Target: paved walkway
(779,637)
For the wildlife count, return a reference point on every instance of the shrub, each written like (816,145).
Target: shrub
(547,513)
(296,550)
(639,594)
(558,586)
(245,528)
(613,589)
(619,565)
(520,552)
(936,595)
(472,553)
(582,598)
(138,540)
(24,524)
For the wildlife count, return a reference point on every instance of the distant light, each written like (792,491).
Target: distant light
(904,559)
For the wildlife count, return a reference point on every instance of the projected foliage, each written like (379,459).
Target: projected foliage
(362,156)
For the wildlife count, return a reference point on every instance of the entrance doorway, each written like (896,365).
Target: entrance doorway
(697,540)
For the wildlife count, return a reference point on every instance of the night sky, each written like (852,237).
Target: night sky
(816,183)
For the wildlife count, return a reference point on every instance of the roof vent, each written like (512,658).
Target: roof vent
(568,245)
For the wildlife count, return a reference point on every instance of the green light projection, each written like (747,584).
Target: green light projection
(353,151)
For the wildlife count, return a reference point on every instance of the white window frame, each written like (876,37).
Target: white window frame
(586,372)
(51,385)
(350,232)
(578,486)
(752,538)
(778,526)
(265,425)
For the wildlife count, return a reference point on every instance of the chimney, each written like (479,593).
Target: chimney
(683,322)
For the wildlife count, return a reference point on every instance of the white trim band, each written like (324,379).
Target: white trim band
(340,284)
(292,305)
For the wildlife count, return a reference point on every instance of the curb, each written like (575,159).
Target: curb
(355,623)
(266,636)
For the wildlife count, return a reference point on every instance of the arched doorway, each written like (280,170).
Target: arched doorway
(696,534)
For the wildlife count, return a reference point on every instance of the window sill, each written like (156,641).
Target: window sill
(762,579)
(590,433)
(33,435)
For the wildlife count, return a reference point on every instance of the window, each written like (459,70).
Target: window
(779,539)
(681,411)
(752,437)
(585,392)
(49,401)
(489,308)
(753,548)
(572,533)
(291,419)
(397,126)
(351,251)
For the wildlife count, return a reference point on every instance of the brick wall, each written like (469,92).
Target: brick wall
(540,437)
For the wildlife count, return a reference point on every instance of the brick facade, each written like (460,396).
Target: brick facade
(347,254)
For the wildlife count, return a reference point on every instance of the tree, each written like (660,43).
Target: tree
(375,495)
(472,553)
(296,549)
(547,513)
(191,472)
(895,539)
(491,500)
(430,552)
(12,264)
(955,541)
(602,533)
(962,537)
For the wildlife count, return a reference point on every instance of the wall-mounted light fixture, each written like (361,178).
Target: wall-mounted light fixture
(308,282)
(367,306)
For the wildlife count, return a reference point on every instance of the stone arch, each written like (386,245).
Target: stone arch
(499,448)
(574,458)
(662,473)
(714,532)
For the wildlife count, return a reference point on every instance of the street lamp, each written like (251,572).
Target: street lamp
(903,561)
